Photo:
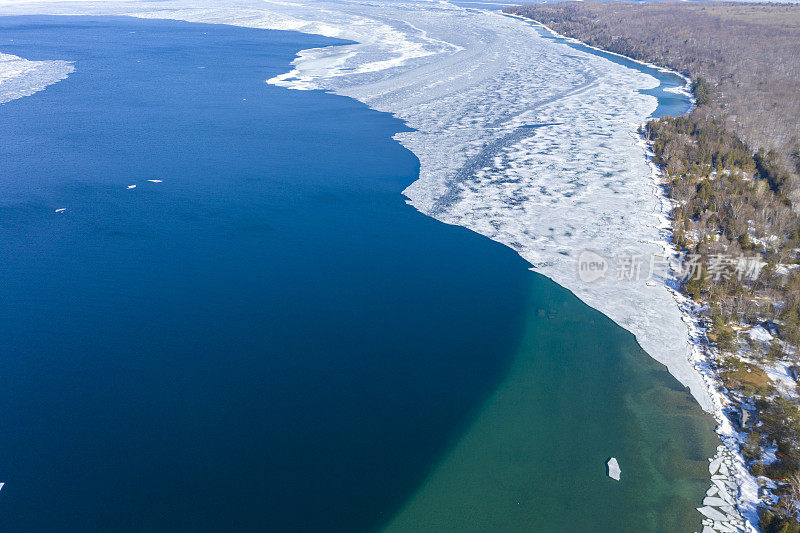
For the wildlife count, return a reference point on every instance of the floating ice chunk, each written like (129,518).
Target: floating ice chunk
(61,209)
(714,502)
(20,77)
(714,466)
(712,513)
(720,484)
(724,527)
(131,186)
(155,181)
(613,468)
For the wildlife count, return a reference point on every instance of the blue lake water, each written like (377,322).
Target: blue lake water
(270,339)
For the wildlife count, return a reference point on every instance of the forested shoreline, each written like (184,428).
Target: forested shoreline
(731,169)
(744,58)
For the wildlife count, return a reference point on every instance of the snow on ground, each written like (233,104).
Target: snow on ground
(734,483)
(781,377)
(760,334)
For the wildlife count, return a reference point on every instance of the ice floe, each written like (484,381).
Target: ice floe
(613,468)
(20,77)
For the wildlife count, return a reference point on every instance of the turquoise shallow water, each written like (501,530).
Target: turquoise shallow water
(271,339)
(580,390)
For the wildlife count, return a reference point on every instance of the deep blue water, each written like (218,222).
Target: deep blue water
(270,339)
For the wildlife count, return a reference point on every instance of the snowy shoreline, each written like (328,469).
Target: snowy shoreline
(732,486)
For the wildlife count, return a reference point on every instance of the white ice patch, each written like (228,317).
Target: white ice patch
(613,468)
(20,77)
(380,45)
